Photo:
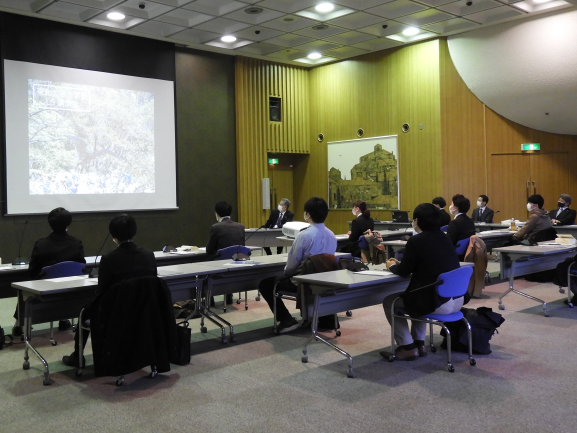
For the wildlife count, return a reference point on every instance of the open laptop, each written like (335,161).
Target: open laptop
(400,216)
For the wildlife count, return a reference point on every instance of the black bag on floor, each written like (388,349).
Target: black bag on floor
(182,355)
(484,323)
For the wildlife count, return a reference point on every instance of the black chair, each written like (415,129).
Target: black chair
(544,235)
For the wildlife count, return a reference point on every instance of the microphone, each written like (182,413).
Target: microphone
(21,260)
(94,271)
(240,257)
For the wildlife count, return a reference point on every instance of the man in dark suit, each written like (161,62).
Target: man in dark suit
(226,232)
(278,218)
(57,247)
(563,216)
(482,213)
(427,255)
(440,203)
(462,227)
(125,262)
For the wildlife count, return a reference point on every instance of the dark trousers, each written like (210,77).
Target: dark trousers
(266,288)
(269,252)
(81,333)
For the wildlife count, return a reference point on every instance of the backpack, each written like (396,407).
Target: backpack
(484,323)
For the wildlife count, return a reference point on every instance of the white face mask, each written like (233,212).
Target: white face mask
(453,210)
(479,203)
(280,208)
(305,217)
(217,217)
(529,207)
(415,227)
(354,213)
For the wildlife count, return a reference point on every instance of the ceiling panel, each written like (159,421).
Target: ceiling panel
(70,11)
(356,20)
(184,17)
(289,23)
(257,33)
(397,8)
(157,28)
(349,38)
(425,17)
(289,40)
(215,7)
(287,6)
(254,18)
(260,48)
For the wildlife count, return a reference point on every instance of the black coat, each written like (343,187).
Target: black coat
(427,255)
(445,218)
(566,218)
(133,327)
(462,227)
(224,234)
(55,248)
(486,216)
(273,218)
(358,226)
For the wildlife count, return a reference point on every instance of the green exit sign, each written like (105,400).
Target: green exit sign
(273,161)
(530,146)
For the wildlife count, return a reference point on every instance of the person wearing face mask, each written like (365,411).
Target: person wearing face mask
(278,218)
(316,239)
(563,216)
(427,255)
(359,225)
(226,232)
(538,219)
(462,227)
(127,261)
(482,214)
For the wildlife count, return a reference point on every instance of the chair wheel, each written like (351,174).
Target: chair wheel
(350,374)
(245,307)
(304,359)
(78,373)
(349,313)
(238,302)
(203,329)
(433,349)
(120,381)
(451,368)
(26,365)
(47,382)
(233,339)
(570,304)
(501,307)
(338,333)
(561,290)
(257,298)
(224,340)
(472,362)
(54,343)
(391,358)
(153,374)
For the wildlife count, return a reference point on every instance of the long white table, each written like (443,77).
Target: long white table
(521,260)
(338,291)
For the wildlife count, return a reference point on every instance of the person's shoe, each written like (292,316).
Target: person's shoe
(401,354)
(72,360)
(287,326)
(566,302)
(63,325)
(422,351)
(229,299)
(17,331)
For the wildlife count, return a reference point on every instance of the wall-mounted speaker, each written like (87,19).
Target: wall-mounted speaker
(274,109)
(360,132)
(405,127)
(320,138)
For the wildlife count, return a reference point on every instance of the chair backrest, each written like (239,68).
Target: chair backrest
(228,252)
(544,235)
(444,228)
(320,263)
(363,243)
(63,269)
(455,282)
(461,246)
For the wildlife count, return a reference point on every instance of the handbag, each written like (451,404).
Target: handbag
(181,355)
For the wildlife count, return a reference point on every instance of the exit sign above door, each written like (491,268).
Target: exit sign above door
(530,146)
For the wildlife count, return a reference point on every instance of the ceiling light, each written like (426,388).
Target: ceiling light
(116,16)
(228,38)
(324,7)
(314,56)
(411,31)
(540,1)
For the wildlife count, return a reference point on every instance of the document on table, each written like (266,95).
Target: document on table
(59,280)
(243,263)
(375,272)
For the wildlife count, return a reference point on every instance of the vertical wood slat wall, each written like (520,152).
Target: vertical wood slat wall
(256,81)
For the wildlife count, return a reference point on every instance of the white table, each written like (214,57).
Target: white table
(521,260)
(566,230)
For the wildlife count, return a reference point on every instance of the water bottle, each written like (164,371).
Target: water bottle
(513,227)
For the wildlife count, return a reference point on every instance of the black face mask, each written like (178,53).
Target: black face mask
(560,204)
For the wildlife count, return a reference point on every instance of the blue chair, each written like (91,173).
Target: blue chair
(461,246)
(444,228)
(571,273)
(451,284)
(229,253)
(60,270)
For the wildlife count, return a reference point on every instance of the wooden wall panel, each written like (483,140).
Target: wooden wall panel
(256,81)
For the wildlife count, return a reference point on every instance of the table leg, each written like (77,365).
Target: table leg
(512,289)
(215,318)
(28,346)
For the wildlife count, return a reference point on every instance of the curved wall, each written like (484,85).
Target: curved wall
(524,69)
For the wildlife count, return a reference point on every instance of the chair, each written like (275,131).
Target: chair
(544,235)
(461,246)
(444,228)
(229,253)
(449,285)
(571,273)
(60,270)
(312,265)
(125,340)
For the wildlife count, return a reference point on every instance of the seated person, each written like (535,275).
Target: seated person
(462,227)
(57,247)
(125,262)
(316,239)
(226,232)
(440,203)
(563,216)
(278,217)
(426,257)
(482,214)
(360,224)
(538,219)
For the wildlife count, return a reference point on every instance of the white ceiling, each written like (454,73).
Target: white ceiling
(286,30)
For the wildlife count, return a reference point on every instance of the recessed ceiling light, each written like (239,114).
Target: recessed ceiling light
(116,16)
(320,27)
(314,56)
(411,31)
(324,7)
(253,10)
(228,38)
(541,1)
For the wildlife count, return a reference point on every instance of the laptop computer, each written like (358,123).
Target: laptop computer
(400,216)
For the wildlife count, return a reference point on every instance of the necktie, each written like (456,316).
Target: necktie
(480,213)
(278,222)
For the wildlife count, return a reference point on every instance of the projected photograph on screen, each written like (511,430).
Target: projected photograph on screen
(89,140)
